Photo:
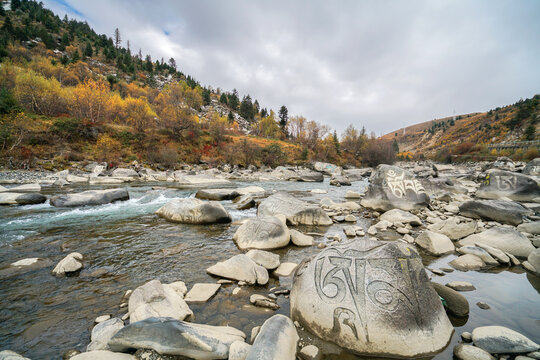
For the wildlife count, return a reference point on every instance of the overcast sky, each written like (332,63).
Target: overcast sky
(382,64)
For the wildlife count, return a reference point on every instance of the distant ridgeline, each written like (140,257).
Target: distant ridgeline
(509,131)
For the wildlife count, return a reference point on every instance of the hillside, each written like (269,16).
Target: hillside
(470,132)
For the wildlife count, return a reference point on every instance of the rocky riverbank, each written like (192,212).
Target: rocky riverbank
(360,289)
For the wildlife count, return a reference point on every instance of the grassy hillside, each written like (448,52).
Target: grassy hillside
(470,134)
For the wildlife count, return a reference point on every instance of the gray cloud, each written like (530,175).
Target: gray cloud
(378,64)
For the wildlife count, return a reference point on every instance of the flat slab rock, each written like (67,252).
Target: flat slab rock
(194,211)
(297,212)
(241,268)
(502,340)
(90,197)
(200,292)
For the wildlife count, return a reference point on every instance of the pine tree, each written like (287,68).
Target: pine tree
(88,50)
(264,113)
(223,98)
(246,108)
(336,142)
(230,117)
(206,96)
(234,100)
(395,146)
(172,63)
(148,65)
(283,117)
(530,132)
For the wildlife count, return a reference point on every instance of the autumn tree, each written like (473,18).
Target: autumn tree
(139,113)
(39,94)
(172,109)
(90,100)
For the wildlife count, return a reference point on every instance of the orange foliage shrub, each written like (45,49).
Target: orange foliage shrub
(90,100)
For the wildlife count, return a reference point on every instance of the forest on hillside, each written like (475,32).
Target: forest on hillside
(69,94)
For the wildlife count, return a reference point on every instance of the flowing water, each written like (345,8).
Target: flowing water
(125,245)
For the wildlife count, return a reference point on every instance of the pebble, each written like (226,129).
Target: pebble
(466,336)
(102,318)
(461,286)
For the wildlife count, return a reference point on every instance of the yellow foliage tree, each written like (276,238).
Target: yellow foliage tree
(39,94)
(107,149)
(90,100)
(138,113)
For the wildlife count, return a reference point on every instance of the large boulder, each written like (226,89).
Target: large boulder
(194,211)
(502,340)
(12,198)
(169,336)
(530,227)
(241,268)
(498,184)
(393,187)
(217,194)
(532,168)
(263,232)
(276,340)
(534,260)
(505,239)
(155,299)
(296,211)
(454,228)
(340,180)
(307,175)
(90,197)
(506,212)
(434,243)
(372,298)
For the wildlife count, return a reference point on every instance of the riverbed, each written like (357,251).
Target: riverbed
(125,245)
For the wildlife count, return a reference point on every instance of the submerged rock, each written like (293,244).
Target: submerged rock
(263,232)
(90,197)
(498,184)
(276,340)
(372,298)
(173,337)
(467,262)
(505,239)
(69,264)
(297,211)
(502,340)
(194,211)
(456,303)
(393,187)
(12,198)
(200,293)
(155,299)
(240,267)
(506,212)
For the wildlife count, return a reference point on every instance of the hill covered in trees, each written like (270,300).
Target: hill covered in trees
(70,94)
(466,137)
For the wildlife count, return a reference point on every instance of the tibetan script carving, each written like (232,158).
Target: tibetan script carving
(399,185)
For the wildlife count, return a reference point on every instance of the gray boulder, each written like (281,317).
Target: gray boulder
(277,340)
(296,211)
(532,168)
(307,175)
(327,168)
(534,260)
(122,172)
(467,262)
(435,244)
(299,239)
(194,211)
(502,238)
(12,198)
(155,299)
(478,251)
(502,340)
(169,336)
(241,268)
(498,184)
(263,232)
(371,298)
(11,355)
(266,259)
(340,180)
(90,197)
(393,187)
(506,212)
(217,194)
